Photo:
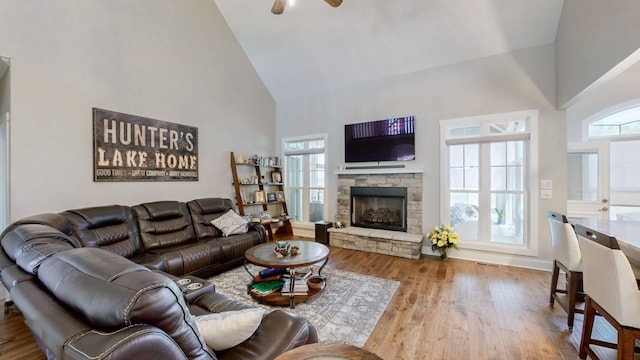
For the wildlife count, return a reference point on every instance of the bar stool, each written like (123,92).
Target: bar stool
(611,292)
(566,253)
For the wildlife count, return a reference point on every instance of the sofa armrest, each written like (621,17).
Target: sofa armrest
(279,332)
(260,229)
(125,343)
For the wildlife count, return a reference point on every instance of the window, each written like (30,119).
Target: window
(305,177)
(620,123)
(487,176)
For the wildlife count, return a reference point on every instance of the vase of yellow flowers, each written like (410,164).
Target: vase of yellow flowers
(443,237)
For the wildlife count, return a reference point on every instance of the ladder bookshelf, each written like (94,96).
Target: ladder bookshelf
(259,191)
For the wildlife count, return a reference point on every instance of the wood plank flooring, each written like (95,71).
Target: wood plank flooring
(452,309)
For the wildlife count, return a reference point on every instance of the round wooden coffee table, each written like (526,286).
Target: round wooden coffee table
(263,255)
(328,351)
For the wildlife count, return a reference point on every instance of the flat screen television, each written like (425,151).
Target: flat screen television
(381,140)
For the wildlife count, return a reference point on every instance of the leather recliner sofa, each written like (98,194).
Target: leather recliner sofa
(99,282)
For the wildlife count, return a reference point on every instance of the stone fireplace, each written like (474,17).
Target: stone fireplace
(376,229)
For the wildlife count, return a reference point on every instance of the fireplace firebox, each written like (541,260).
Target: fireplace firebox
(379,207)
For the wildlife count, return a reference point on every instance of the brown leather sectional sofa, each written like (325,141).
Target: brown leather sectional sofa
(100,282)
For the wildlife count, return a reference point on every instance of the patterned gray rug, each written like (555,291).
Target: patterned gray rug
(347,310)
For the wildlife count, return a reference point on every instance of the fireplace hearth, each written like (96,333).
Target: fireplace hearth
(379,208)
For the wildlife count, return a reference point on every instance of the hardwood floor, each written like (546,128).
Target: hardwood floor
(452,309)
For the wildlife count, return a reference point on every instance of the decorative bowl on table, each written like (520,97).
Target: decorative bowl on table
(315,282)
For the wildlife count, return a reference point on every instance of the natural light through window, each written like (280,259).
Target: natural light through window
(488,168)
(621,123)
(305,177)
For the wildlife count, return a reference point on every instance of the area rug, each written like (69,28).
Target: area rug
(347,310)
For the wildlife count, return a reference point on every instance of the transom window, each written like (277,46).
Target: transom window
(487,164)
(621,123)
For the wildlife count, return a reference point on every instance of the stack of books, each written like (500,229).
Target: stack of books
(300,287)
(265,288)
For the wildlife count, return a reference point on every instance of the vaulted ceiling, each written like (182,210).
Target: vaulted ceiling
(314,47)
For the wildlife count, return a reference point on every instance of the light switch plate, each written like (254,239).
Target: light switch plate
(546,194)
(546,184)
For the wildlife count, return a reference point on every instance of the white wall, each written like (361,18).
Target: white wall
(593,37)
(164,59)
(503,83)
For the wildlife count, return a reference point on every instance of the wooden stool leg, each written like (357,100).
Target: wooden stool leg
(626,344)
(573,293)
(554,282)
(587,329)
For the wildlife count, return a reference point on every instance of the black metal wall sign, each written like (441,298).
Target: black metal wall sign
(134,148)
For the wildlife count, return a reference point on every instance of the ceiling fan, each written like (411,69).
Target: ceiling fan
(279,5)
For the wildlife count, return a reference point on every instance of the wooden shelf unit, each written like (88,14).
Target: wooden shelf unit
(283,226)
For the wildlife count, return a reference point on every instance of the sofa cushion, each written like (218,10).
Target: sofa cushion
(231,223)
(227,329)
(203,259)
(111,292)
(110,227)
(234,247)
(164,224)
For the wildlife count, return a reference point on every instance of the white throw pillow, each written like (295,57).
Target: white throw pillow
(231,223)
(227,329)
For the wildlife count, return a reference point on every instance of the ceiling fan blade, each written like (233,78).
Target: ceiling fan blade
(334,3)
(278,7)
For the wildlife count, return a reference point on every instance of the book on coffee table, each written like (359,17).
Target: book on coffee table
(266,287)
(300,287)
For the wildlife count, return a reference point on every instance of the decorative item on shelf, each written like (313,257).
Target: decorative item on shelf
(276,177)
(265,216)
(271,197)
(443,237)
(280,196)
(240,159)
(338,225)
(260,197)
(500,213)
(255,218)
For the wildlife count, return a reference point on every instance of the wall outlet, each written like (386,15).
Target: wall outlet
(546,194)
(546,184)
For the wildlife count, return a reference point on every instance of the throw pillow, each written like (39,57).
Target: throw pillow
(227,329)
(231,223)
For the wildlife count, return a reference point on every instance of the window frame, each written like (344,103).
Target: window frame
(634,104)
(306,188)
(530,234)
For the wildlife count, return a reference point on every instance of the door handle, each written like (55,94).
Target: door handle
(604,208)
